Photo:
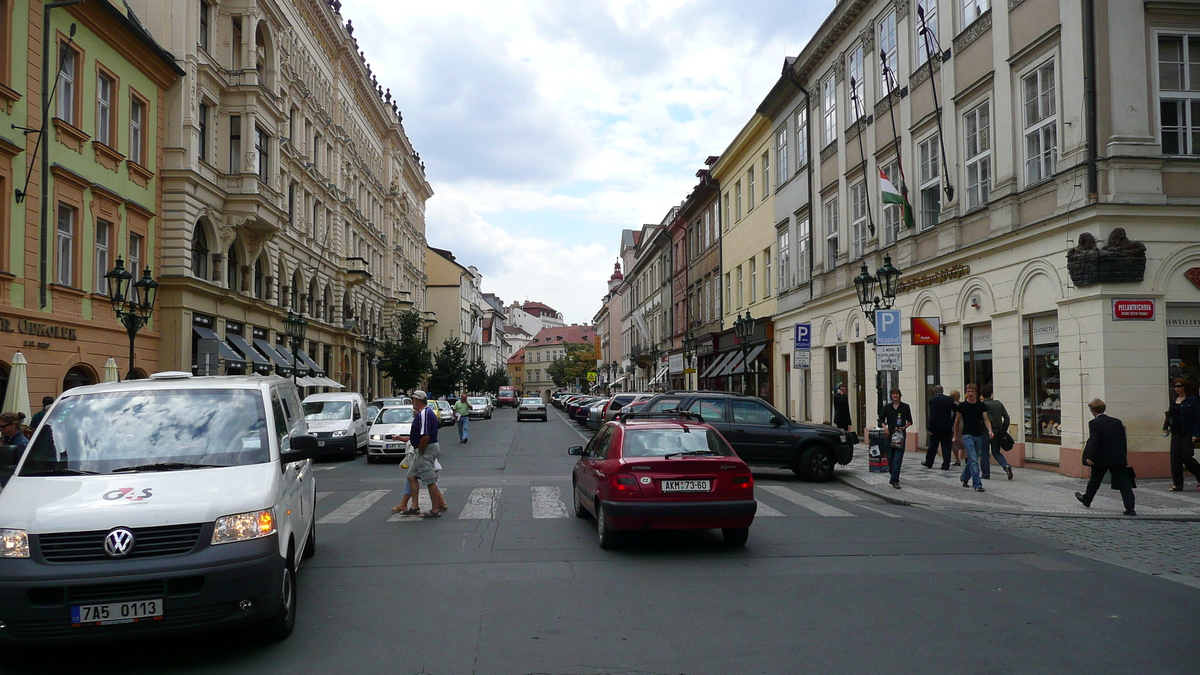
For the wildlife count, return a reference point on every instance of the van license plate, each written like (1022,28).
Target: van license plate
(320,444)
(116,612)
(685,486)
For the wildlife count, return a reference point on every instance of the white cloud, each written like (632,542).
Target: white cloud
(596,112)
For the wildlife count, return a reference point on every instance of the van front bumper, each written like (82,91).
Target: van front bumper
(336,445)
(199,590)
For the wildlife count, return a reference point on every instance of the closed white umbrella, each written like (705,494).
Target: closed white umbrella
(16,398)
(111,373)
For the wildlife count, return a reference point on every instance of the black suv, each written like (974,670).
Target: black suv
(763,436)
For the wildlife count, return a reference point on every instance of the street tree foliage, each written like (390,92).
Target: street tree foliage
(496,378)
(406,359)
(574,367)
(477,376)
(449,367)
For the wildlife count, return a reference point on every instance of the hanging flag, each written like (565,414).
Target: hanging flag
(893,196)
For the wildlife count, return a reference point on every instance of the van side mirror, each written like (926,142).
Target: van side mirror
(575,450)
(303,446)
(9,456)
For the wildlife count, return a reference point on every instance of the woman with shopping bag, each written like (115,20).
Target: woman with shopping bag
(896,417)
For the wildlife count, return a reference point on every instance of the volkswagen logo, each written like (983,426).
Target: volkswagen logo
(119,543)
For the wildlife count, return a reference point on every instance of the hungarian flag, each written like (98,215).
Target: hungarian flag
(899,197)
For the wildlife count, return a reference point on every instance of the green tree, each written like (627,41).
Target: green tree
(477,376)
(407,360)
(449,367)
(579,361)
(498,377)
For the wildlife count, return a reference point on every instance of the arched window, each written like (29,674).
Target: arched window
(262,55)
(327,304)
(78,376)
(347,308)
(200,253)
(312,297)
(233,268)
(260,273)
(281,279)
(297,291)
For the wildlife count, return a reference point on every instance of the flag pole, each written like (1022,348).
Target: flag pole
(859,113)
(925,32)
(888,77)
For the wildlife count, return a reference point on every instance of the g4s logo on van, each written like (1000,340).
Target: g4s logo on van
(128,494)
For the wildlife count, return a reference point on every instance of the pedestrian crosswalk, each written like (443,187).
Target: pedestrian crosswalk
(548,502)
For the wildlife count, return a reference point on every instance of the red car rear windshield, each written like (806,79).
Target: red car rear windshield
(659,442)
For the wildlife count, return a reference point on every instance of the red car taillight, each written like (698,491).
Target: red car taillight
(624,482)
(742,483)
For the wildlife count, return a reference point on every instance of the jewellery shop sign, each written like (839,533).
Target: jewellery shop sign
(36,330)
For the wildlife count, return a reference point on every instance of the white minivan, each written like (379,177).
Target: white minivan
(339,421)
(165,505)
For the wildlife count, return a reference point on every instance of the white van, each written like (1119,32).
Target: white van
(164,505)
(339,421)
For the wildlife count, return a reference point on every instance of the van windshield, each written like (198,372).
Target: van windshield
(395,416)
(150,430)
(326,410)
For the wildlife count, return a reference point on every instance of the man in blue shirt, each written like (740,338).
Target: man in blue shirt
(424,437)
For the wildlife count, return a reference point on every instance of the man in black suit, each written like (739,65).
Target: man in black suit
(841,409)
(1105,452)
(940,423)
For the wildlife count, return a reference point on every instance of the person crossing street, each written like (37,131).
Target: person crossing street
(462,414)
(1106,451)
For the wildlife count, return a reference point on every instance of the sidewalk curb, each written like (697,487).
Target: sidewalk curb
(862,486)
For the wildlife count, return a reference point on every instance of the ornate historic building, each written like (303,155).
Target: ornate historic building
(289,185)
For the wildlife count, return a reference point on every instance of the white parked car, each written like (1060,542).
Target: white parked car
(339,422)
(389,433)
(480,407)
(531,407)
(157,506)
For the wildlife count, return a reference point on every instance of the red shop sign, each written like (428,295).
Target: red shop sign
(1131,309)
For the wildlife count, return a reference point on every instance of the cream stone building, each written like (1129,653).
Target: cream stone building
(289,184)
(1033,147)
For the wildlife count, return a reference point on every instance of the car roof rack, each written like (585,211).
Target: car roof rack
(677,392)
(661,415)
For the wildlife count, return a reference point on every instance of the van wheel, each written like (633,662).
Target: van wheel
(280,626)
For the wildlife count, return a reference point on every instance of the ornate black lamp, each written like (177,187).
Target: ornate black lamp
(295,327)
(132,303)
(885,280)
(743,327)
(689,351)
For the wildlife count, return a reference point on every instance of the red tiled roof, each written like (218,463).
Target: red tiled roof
(516,330)
(519,357)
(531,306)
(557,335)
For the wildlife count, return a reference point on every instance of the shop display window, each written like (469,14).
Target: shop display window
(977,355)
(1043,392)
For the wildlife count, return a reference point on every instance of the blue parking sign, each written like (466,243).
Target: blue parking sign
(887,327)
(803,337)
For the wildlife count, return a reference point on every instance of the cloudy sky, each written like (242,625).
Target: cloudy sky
(548,126)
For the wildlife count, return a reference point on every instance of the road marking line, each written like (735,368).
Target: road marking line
(816,506)
(547,502)
(846,496)
(353,508)
(397,518)
(765,511)
(323,495)
(481,504)
(326,467)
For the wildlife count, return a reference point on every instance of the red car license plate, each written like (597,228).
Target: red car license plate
(685,486)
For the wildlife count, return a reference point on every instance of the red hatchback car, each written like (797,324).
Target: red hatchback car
(662,471)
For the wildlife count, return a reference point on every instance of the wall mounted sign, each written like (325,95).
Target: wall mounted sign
(1193,275)
(926,330)
(1131,309)
(933,278)
(27,327)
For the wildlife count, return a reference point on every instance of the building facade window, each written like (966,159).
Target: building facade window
(233,269)
(103,246)
(781,155)
(750,189)
(200,254)
(235,144)
(929,173)
(202,123)
(802,234)
(1179,93)
(829,110)
(753,280)
(854,82)
(105,87)
(737,200)
(783,245)
(766,174)
(888,77)
(858,219)
(766,273)
(919,44)
(831,234)
(892,213)
(205,22)
(728,290)
(1041,123)
(971,10)
(1043,384)
(68,84)
(64,246)
(739,287)
(262,145)
(978,150)
(137,130)
(725,222)
(801,138)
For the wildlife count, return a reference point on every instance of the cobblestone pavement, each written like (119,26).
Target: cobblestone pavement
(1163,548)
(1031,491)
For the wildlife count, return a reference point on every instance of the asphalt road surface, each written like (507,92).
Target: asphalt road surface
(510,582)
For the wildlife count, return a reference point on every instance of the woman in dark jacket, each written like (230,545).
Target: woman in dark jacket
(895,416)
(1183,421)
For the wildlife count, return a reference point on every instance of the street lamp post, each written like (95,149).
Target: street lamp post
(877,292)
(743,327)
(295,326)
(372,359)
(132,303)
(655,353)
(689,351)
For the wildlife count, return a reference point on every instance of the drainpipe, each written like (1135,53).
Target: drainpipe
(791,75)
(1089,98)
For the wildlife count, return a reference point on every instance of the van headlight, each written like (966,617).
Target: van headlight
(244,526)
(341,432)
(14,544)
(377,437)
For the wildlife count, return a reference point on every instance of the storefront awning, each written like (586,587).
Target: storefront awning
(312,365)
(308,382)
(301,366)
(242,345)
(718,363)
(226,352)
(266,348)
(617,381)
(740,367)
(326,382)
(662,373)
(728,366)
